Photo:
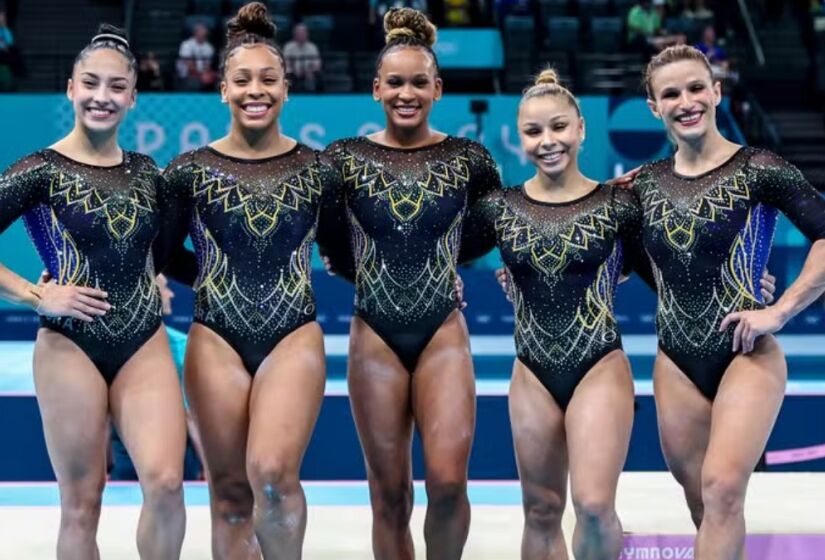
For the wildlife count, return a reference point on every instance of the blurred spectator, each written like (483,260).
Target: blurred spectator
(380,7)
(458,13)
(506,8)
(696,9)
(195,68)
(644,28)
(150,77)
(303,60)
(6,55)
(716,55)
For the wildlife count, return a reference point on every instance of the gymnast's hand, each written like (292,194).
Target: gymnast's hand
(80,302)
(767,286)
(755,323)
(624,181)
(166,294)
(459,292)
(503,280)
(327,265)
(752,324)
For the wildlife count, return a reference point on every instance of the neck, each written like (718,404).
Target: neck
(254,141)
(101,145)
(567,185)
(407,137)
(691,153)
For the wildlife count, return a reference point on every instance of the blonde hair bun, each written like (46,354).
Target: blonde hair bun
(548,77)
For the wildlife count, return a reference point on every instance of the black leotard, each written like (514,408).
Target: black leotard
(253,225)
(564,262)
(93,226)
(405,209)
(709,238)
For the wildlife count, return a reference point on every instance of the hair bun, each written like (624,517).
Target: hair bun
(252,19)
(548,76)
(109,32)
(407,22)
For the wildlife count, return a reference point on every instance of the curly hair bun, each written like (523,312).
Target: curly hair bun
(407,22)
(251,19)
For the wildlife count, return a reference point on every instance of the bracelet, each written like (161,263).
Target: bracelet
(39,300)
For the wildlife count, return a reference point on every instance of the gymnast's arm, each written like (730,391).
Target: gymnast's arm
(781,185)
(333,235)
(175,204)
(478,233)
(22,188)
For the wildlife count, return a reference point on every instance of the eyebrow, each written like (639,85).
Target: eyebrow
(96,77)
(552,119)
(247,69)
(419,75)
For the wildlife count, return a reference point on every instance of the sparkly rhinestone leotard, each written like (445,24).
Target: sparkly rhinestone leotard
(709,237)
(564,262)
(405,209)
(253,225)
(93,226)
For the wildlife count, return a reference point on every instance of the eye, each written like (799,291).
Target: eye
(89,83)
(670,94)
(559,126)
(394,82)
(240,81)
(532,131)
(697,87)
(422,83)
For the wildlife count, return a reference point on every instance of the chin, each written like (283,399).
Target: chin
(691,134)
(98,126)
(258,125)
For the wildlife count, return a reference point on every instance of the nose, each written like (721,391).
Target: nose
(101,94)
(406,92)
(548,139)
(254,88)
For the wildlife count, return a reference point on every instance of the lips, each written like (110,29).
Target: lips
(255,109)
(690,119)
(99,113)
(407,111)
(551,157)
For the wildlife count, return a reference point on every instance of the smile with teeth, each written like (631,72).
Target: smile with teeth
(689,119)
(406,110)
(552,157)
(255,108)
(97,112)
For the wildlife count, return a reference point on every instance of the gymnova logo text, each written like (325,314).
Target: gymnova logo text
(656,552)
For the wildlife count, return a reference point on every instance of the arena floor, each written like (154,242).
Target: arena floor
(650,506)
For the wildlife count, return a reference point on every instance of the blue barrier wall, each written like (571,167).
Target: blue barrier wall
(334,453)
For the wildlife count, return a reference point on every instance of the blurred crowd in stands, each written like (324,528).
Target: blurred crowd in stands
(313,58)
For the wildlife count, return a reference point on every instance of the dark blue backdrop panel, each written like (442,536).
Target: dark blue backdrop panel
(334,453)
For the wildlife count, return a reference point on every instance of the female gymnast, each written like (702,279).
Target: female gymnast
(92,211)
(406,191)
(564,240)
(709,216)
(255,366)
